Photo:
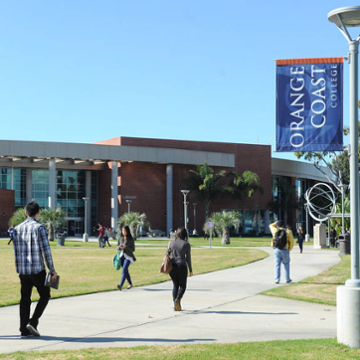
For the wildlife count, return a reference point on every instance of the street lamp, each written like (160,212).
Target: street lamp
(348,296)
(129,204)
(85,235)
(185,193)
(194,232)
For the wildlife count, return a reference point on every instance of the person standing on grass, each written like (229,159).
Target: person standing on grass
(101,231)
(11,233)
(181,261)
(127,246)
(31,247)
(282,242)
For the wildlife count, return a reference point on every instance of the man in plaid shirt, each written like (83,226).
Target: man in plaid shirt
(31,247)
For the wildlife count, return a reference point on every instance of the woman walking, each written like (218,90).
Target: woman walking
(181,260)
(127,246)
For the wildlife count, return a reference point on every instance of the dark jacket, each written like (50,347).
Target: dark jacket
(129,247)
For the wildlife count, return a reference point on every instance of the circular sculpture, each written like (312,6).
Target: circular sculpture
(320,202)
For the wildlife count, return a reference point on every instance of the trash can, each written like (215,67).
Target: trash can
(344,241)
(61,238)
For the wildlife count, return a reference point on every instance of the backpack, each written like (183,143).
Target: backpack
(280,239)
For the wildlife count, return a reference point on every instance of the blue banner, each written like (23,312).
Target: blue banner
(309,109)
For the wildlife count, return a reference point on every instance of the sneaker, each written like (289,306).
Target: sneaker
(177,305)
(277,282)
(25,334)
(129,287)
(119,287)
(288,282)
(34,331)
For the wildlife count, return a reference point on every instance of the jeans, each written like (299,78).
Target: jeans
(178,276)
(27,284)
(282,256)
(125,273)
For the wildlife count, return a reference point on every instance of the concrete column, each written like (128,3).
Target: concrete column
(114,194)
(88,195)
(169,198)
(320,236)
(52,184)
(348,315)
(28,185)
(12,178)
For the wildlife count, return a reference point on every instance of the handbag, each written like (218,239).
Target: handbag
(166,265)
(117,261)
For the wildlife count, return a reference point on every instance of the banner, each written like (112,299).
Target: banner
(309,109)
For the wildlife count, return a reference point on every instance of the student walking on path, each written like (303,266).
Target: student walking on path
(127,246)
(300,238)
(181,260)
(31,247)
(282,242)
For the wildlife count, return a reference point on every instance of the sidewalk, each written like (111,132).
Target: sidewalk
(220,307)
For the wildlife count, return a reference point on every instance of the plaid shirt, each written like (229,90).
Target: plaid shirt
(31,247)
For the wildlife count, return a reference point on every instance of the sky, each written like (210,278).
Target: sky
(204,70)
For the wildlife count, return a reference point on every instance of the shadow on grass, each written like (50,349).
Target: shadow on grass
(95,339)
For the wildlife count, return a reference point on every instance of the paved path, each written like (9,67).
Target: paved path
(219,307)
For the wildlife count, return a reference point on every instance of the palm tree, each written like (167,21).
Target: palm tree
(18,217)
(222,222)
(52,219)
(206,185)
(134,221)
(244,187)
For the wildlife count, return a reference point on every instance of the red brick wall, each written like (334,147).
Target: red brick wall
(147,181)
(7,208)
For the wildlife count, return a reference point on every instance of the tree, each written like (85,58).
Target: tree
(206,185)
(244,187)
(134,221)
(52,219)
(335,221)
(18,217)
(222,221)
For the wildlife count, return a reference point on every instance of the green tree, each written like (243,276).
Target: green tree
(134,221)
(244,187)
(52,219)
(337,222)
(206,185)
(222,222)
(18,217)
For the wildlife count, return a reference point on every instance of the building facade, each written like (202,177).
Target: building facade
(145,175)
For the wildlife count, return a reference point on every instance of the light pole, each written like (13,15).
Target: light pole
(185,193)
(348,296)
(85,235)
(129,204)
(194,232)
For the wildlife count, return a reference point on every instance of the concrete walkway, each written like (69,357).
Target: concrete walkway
(219,307)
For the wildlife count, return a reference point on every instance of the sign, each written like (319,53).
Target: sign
(129,197)
(210,224)
(309,104)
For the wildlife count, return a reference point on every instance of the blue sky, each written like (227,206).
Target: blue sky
(85,71)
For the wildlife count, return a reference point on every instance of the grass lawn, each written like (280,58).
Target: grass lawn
(319,349)
(84,269)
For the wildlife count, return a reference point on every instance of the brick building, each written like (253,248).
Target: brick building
(143,175)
